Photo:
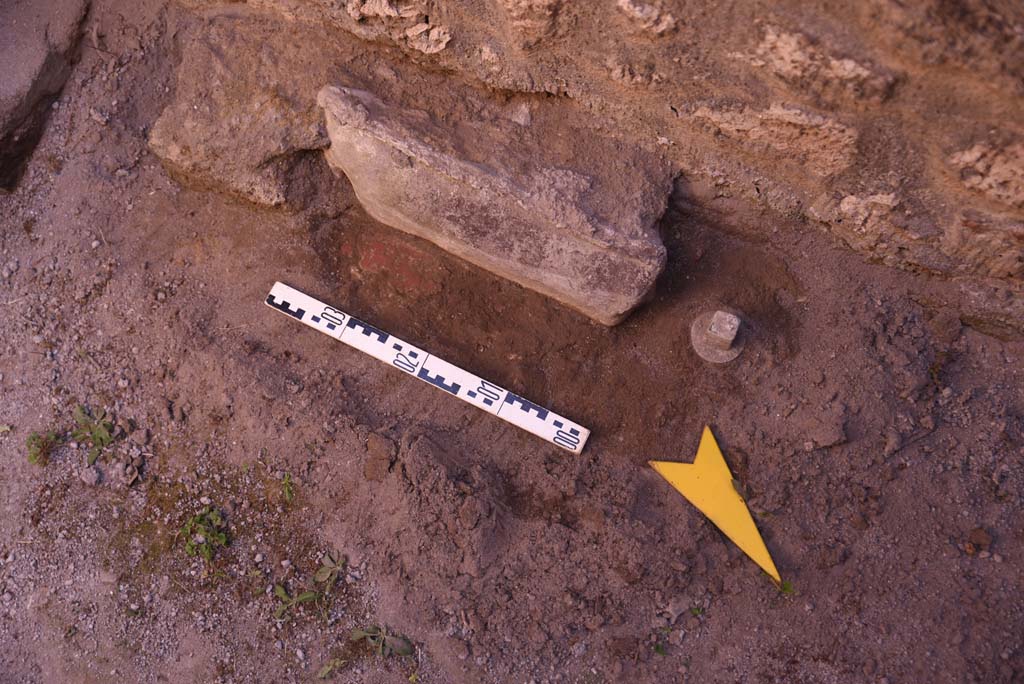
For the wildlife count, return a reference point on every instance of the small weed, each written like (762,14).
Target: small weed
(330,568)
(255,582)
(331,667)
(659,637)
(288,488)
(98,431)
(204,532)
(787,588)
(414,677)
(696,611)
(40,445)
(382,642)
(287,602)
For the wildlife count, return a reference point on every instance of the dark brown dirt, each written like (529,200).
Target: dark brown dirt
(877,439)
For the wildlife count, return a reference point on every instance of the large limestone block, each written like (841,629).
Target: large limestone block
(574,218)
(244,106)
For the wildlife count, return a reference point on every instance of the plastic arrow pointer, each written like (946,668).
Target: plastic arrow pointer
(708,484)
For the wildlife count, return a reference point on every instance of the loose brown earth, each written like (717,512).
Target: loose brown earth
(876,437)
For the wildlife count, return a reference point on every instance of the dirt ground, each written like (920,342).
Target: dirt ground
(877,438)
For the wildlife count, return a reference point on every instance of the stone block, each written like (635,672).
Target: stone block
(577,223)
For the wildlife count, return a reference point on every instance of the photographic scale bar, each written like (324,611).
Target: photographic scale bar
(438,372)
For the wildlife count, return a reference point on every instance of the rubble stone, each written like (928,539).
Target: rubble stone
(581,230)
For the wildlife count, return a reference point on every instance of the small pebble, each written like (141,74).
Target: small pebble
(205,500)
(95,244)
(91,475)
(258,558)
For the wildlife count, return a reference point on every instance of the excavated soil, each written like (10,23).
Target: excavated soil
(876,436)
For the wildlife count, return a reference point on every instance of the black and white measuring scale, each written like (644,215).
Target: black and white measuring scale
(429,368)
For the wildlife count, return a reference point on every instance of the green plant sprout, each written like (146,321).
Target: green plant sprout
(204,532)
(288,602)
(330,667)
(97,431)
(330,568)
(40,445)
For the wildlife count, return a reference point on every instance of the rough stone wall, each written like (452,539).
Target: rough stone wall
(894,126)
(822,111)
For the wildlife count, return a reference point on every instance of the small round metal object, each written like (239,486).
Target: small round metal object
(715,336)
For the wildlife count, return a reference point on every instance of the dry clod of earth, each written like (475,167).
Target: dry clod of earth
(380,455)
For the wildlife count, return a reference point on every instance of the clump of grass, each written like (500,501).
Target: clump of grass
(288,602)
(204,532)
(40,445)
(382,641)
(787,588)
(97,430)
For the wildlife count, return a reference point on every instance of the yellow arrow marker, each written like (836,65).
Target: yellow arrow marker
(707,483)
